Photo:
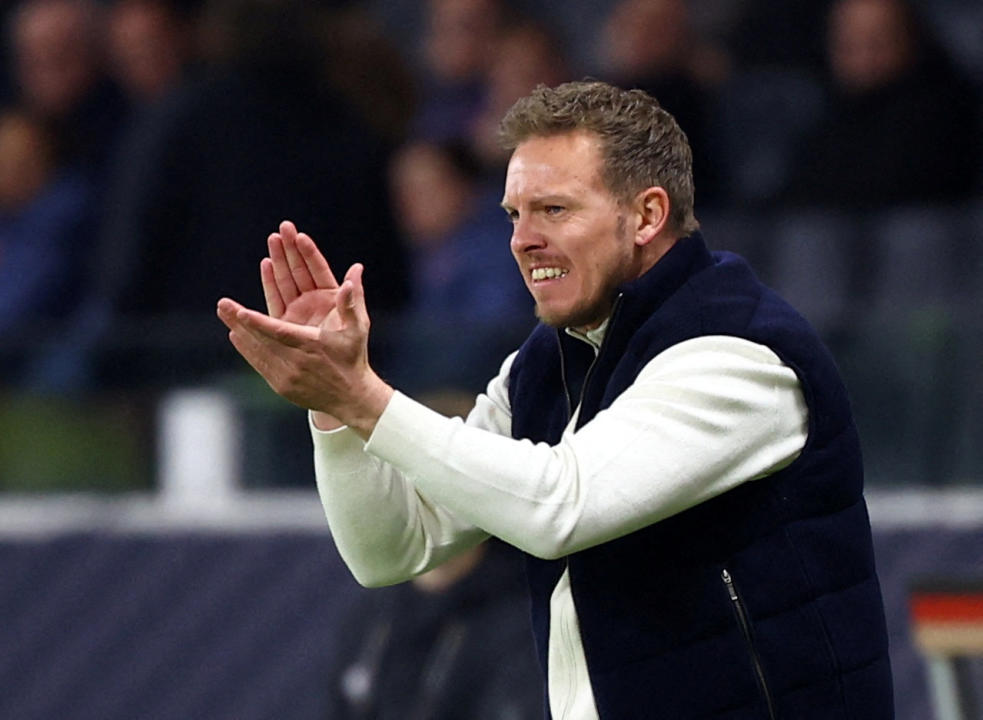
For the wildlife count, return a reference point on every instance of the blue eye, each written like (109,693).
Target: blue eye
(554,209)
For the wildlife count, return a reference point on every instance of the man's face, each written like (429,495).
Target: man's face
(570,235)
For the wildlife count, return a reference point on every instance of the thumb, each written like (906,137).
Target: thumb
(351,297)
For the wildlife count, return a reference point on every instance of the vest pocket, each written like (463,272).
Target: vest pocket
(744,624)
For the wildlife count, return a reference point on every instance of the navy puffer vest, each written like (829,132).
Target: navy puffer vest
(760,603)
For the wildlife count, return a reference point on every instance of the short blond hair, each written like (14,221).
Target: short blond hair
(642,145)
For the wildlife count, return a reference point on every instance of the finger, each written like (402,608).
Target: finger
(274,301)
(279,332)
(258,354)
(282,277)
(317,266)
(351,298)
(287,228)
(227,310)
(298,268)
(252,351)
(239,318)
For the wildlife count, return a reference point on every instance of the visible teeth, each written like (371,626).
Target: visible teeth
(544,273)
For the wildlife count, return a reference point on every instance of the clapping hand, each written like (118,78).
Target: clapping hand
(312,347)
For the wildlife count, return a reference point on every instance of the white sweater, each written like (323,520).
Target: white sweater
(701,418)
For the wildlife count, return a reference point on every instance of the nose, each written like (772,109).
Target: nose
(525,237)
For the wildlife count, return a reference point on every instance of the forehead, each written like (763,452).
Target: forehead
(555,163)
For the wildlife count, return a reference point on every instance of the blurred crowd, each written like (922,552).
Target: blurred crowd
(148,147)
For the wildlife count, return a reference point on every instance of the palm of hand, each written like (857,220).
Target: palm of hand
(315,308)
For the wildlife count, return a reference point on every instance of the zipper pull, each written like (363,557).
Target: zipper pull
(729,582)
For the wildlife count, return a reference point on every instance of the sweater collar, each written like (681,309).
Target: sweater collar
(594,337)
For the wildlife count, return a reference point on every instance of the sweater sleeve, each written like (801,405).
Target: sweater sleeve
(701,418)
(384,528)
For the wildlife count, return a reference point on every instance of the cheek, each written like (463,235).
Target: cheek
(593,281)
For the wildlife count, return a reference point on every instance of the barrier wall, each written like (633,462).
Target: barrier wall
(141,608)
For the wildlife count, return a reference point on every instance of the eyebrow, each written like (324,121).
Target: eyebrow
(547,199)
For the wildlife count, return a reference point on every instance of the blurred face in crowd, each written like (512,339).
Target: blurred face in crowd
(25,160)
(870,43)
(54,57)
(430,196)
(525,58)
(646,36)
(147,46)
(461,37)
(570,235)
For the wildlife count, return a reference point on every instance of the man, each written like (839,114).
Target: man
(672,446)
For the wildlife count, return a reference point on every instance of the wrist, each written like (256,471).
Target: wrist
(362,416)
(325,422)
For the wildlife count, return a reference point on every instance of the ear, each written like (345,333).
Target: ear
(651,208)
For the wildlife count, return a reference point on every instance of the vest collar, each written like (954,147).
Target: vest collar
(636,302)
(647,292)
(644,295)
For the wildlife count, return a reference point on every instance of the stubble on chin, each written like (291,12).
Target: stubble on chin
(579,318)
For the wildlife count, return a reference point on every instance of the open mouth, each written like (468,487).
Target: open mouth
(548,273)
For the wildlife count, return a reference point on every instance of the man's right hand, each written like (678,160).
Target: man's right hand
(312,347)
(299,287)
(298,283)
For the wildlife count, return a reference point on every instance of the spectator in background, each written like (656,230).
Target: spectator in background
(651,45)
(465,293)
(151,44)
(44,231)
(258,134)
(60,76)
(369,71)
(901,126)
(452,644)
(458,47)
(148,45)
(526,55)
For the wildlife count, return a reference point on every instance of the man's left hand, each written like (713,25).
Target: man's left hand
(323,368)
